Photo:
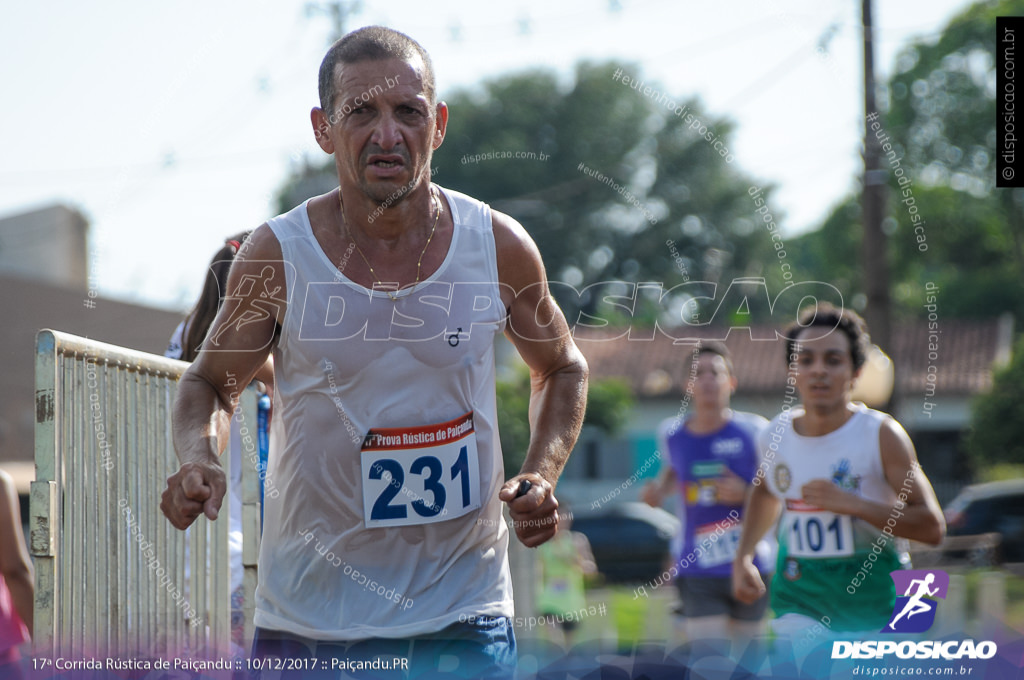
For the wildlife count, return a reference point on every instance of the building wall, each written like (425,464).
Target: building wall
(47,245)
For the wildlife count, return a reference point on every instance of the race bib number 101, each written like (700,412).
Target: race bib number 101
(420,475)
(817,533)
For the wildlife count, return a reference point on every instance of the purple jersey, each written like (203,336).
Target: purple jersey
(710,528)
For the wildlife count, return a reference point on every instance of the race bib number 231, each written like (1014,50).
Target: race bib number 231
(420,475)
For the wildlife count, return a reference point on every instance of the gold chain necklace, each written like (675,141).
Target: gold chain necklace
(378,284)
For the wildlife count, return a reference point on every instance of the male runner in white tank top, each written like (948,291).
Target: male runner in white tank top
(849,486)
(381,301)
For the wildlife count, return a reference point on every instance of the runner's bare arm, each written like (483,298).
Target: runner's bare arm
(759,514)
(730,488)
(237,346)
(558,379)
(655,492)
(916,513)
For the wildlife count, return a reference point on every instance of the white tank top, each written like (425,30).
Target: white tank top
(384,445)
(851,459)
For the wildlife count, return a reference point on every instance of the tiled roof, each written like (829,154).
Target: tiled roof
(963,362)
(966,351)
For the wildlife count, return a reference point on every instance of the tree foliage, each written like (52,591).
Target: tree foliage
(674,184)
(995,435)
(514,420)
(968,255)
(942,110)
(609,403)
(940,120)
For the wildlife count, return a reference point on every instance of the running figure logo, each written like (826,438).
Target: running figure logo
(914,611)
(268,304)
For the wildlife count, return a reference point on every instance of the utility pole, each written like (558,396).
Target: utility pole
(874,253)
(339,11)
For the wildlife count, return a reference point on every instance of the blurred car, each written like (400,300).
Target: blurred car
(994,506)
(630,540)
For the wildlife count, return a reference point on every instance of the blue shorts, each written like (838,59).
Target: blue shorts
(484,648)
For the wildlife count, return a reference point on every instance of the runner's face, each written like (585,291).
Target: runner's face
(383,128)
(824,374)
(713,385)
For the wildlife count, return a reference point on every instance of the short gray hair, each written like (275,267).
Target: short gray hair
(371,43)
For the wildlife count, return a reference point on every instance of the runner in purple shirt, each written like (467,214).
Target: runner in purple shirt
(713,457)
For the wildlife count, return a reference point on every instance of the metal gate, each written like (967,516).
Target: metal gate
(111,577)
